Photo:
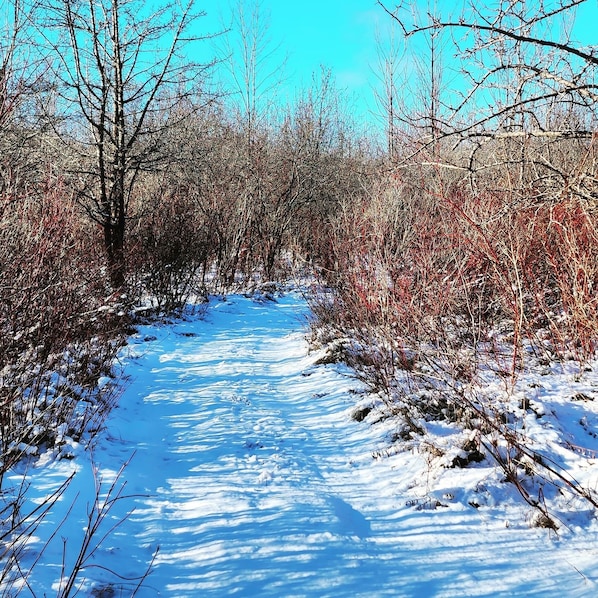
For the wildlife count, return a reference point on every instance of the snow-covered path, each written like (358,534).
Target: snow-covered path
(248,472)
(244,476)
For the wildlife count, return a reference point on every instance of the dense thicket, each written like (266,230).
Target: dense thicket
(127,185)
(472,255)
(483,215)
(470,223)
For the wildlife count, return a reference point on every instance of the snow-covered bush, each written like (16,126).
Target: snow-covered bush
(441,291)
(58,331)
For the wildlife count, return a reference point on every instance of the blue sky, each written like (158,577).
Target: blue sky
(341,35)
(336,34)
(331,33)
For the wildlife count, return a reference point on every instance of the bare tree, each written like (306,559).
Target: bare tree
(250,56)
(387,98)
(515,37)
(253,71)
(412,90)
(22,79)
(124,73)
(525,83)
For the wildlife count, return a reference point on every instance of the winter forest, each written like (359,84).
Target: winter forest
(442,262)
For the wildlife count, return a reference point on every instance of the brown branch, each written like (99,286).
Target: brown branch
(462,24)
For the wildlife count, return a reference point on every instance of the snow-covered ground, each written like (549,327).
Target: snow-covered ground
(246,475)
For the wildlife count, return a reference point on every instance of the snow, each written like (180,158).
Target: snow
(236,469)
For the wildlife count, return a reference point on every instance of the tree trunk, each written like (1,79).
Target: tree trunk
(114,237)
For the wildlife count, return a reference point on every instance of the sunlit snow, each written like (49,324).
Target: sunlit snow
(247,476)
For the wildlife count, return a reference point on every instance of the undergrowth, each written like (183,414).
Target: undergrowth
(441,292)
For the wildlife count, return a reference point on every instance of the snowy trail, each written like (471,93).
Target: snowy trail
(248,495)
(248,472)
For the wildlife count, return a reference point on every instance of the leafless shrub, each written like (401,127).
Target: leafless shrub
(174,247)
(97,529)
(17,527)
(436,281)
(59,334)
